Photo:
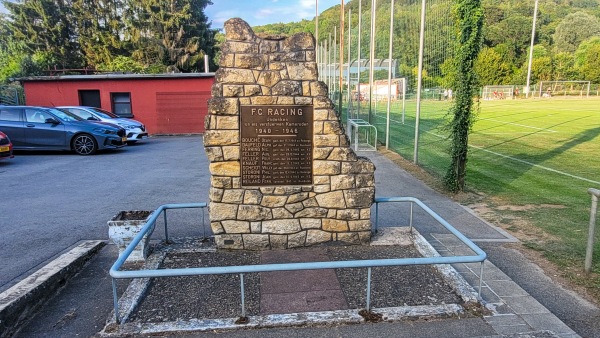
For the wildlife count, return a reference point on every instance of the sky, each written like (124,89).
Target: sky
(260,12)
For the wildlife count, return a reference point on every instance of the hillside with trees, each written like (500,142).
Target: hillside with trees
(567,43)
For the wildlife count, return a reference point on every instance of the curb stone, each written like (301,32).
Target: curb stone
(21,301)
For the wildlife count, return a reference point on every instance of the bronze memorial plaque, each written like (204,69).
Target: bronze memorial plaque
(276,145)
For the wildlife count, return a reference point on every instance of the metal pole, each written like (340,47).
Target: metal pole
(317,24)
(480,278)
(358,58)
(368,289)
(403,98)
(376,216)
(592,229)
(410,221)
(341,83)
(166,231)
(334,61)
(535,10)
(372,57)
(389,99)
(349,57)
(115,301)
(243,295)
(419,83)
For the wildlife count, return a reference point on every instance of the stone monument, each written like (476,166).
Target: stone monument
(282,172)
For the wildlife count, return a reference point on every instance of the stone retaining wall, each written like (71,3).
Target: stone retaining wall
(337,206)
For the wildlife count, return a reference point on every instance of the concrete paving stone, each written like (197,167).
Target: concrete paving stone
(462,251)
(505,288)
(311,301)
(492,273)
(505,320)
(568,335)
(501,308)
(546,321)
(512,329)
(489,296)
(448,240)
(471,278)
(461,267)
(525,305)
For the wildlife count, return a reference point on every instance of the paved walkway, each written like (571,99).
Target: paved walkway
(81,308)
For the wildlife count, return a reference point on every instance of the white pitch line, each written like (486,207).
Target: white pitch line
(536,165)
(519,160)
(520,125)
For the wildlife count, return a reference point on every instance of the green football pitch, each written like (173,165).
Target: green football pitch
(540,153)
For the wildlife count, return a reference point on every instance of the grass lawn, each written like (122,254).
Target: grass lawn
(532,160)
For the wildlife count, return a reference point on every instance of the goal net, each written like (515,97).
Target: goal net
(498,92)
(562,88)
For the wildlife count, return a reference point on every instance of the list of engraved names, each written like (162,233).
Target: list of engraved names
(276,145)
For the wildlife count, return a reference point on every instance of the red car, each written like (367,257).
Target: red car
(6,148)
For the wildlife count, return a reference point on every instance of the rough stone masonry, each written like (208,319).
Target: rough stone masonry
(332,202)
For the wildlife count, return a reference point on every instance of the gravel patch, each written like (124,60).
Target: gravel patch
(218,296)
(394,285)
(209,296)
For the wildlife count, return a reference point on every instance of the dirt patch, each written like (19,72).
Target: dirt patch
(527,207)
(218,296)
(132,215)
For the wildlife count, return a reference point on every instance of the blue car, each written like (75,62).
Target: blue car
(41,128)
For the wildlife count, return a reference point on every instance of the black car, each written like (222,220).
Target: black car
(41,128)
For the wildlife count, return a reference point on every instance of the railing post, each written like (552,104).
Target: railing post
(166,231)
(410,221)
(480,278)
(592,230)
(376,216)
(369,289)
(243,296)
(115,301)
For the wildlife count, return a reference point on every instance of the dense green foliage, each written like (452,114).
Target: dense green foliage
(563,27)
(469,22)
(142,36)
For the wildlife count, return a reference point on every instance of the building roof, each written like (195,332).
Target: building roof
(116,76)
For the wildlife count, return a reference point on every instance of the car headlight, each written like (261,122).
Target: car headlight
(105,131)
(127,126)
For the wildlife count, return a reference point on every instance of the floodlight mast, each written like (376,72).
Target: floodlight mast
(419,82)
(535,10)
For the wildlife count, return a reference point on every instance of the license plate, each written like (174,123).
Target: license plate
(3,149)
(123,139)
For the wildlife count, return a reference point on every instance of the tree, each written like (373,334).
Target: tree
(46,26)
(469,22)
(175,33)
(587,60)
(573,29)
(100,27)
(491,68)
(564,67)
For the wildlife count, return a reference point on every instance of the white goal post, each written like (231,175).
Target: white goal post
(562,88)
(498,92)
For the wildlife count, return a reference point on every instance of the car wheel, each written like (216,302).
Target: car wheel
(84,144)
(130,143)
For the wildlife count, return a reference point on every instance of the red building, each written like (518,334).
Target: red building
(165,103)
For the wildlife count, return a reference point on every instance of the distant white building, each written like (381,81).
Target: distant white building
(356,66)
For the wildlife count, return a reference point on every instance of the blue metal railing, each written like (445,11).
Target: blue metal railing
(241,270)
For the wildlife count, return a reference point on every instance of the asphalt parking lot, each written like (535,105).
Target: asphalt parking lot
(53,200)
